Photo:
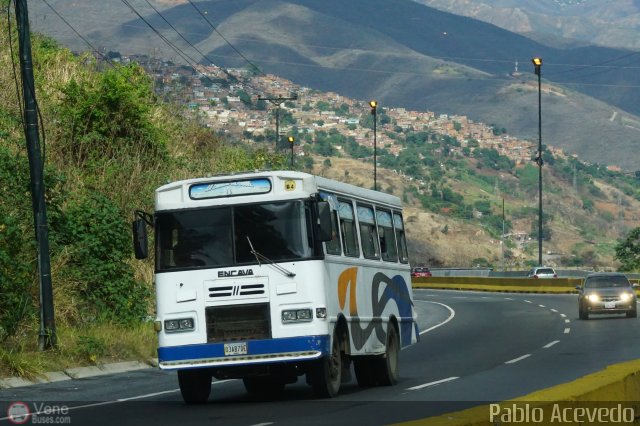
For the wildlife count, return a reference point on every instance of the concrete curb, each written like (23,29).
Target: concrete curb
(617,384)
(79,373)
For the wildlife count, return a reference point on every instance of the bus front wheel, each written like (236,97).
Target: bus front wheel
(195,385)
(325,374)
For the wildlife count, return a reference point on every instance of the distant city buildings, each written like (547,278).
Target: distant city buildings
(227,100)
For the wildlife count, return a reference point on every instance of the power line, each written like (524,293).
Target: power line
(188,42)
(225,39)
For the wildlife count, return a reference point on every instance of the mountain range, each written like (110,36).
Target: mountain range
(399,52)
(557,22)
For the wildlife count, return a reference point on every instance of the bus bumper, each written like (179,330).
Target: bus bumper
(288,349)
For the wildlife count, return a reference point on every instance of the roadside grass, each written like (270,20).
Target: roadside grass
(93,344)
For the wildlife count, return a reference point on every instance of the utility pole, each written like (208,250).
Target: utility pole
(502,241)
(47,338)
(277,101)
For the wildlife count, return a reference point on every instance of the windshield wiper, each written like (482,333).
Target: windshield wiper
(260,256)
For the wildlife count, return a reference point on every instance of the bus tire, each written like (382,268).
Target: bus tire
(387,368)
(195,385)
(325,374)
(263,387)
(363,367)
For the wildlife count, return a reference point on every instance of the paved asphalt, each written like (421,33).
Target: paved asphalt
(475,347)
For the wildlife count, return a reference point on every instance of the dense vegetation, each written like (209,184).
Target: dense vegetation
(107,143)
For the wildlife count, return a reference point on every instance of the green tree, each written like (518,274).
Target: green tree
(108,116)
(628,251)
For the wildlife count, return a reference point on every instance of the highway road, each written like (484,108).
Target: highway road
(475,348)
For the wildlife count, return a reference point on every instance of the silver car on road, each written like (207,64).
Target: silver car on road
(607,293)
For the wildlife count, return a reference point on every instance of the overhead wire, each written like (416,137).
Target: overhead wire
(446,58)
(186,40)
(225,39)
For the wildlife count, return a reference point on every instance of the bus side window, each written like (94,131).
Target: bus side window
(398,225)
(387,237)
(368,232)
(348,227)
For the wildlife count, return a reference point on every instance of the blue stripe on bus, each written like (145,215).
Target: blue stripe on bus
(254,347)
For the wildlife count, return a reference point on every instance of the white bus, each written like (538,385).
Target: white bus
(266,276)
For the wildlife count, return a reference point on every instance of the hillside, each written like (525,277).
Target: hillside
(556,22)
(397,51)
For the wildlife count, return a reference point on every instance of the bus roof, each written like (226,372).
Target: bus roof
(175,195)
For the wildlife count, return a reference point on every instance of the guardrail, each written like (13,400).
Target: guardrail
(507,284)
(489,272)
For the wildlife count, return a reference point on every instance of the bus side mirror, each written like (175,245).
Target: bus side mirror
(324,221)
(140,239)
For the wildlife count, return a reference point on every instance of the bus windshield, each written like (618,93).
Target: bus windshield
(219,236)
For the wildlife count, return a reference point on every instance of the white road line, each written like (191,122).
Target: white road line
(554,310)
(563,315)
(548,345)
(437,382)
(513,361)
(542,306)
(567,321)
(121,400)
(263,424)
(508,298)
(528,301)
(567,330)
(453,314)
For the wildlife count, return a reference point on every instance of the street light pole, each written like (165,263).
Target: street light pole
(292,140)
(374,112)
(537,62)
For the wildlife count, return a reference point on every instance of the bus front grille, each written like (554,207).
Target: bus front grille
(238,322)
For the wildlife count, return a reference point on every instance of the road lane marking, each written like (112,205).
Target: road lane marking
(542,306)
(567,330)
(437,382)
(554,310)
(528,301)
(263,424)
(563,315)
(567,321)
(121,400)
(548,345)
(513,361)
(508,298)
(452,314)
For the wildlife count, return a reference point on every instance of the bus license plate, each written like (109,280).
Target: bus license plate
(235,349)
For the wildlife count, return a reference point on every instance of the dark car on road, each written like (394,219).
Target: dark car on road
(607,293)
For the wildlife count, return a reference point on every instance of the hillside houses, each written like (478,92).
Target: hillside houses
(228,100)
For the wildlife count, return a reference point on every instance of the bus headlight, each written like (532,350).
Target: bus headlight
(179,324)
(296,315)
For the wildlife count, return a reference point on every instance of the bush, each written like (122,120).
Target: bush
(101,246)
(18,254)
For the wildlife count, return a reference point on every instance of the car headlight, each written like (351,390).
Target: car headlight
(179,324)
(593,298)
(297,315)
(625,297)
